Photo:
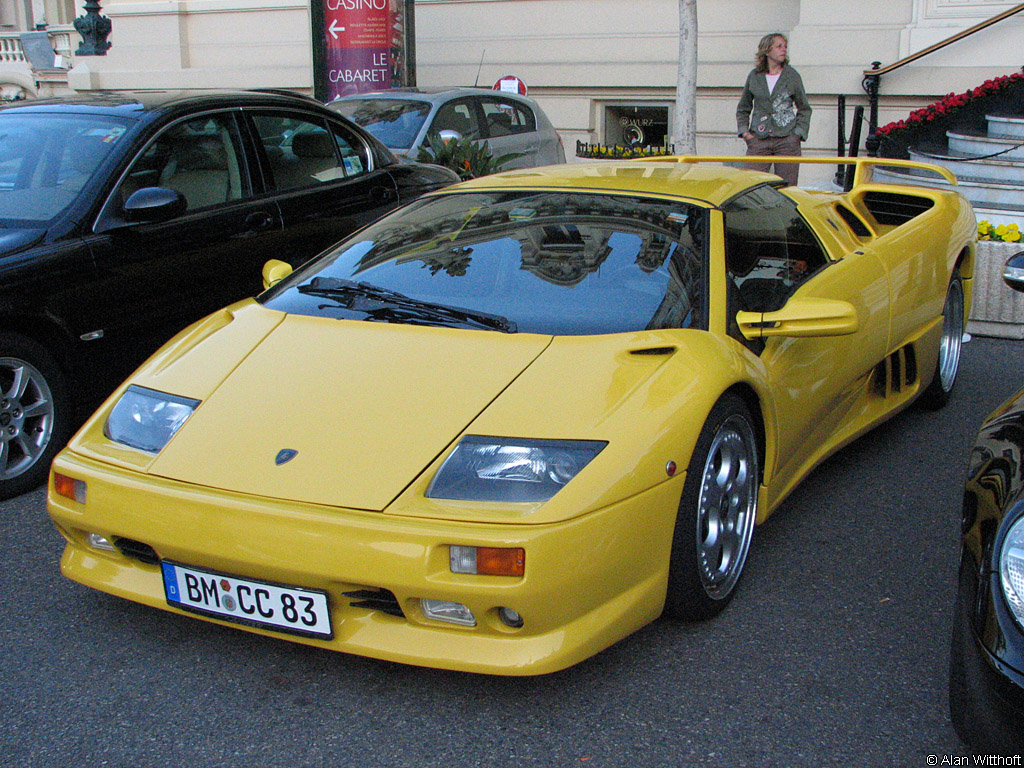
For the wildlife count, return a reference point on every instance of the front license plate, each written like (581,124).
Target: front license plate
(276,606)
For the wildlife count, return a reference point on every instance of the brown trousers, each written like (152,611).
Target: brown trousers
(783,145)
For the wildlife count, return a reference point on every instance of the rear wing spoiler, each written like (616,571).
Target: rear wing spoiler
(862,172)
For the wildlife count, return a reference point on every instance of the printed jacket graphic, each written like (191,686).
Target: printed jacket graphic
(783,111)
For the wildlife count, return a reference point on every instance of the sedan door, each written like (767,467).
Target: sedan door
(323,178)
(155,278)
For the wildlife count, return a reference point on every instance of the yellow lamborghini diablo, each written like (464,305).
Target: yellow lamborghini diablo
(516,420)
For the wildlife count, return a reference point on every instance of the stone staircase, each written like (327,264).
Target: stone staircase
(989,166)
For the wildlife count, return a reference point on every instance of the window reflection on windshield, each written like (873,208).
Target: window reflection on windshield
(550,262)
(396,123)
(45,161)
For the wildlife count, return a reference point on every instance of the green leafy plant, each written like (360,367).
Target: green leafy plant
(464,156)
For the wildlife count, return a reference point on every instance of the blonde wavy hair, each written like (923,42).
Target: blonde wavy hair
(761,57)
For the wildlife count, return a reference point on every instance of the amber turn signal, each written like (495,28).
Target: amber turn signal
(488,561)
(69,487)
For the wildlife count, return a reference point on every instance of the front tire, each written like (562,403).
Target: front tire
(715,522)
(34,419)
(948,365)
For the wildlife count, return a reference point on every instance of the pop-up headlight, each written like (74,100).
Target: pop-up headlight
(147,419)
(511,469)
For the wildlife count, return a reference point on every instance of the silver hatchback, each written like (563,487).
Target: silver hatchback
(404,118)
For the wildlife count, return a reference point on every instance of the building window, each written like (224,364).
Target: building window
(638,125)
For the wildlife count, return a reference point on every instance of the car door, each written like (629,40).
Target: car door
(817,383)
(323,178)
(163,275)
(511,128)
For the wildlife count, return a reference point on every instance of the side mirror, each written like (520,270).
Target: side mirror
(801,318)
(274,271)
(448,135)
(1013,272)
(150,205)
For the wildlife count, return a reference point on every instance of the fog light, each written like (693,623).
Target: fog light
(446,610)
(510,618)
(69,487)
(99,542)
(487,561)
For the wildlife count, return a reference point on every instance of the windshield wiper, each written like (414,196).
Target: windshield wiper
(391,306)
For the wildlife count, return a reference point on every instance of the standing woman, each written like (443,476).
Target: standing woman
(774,115)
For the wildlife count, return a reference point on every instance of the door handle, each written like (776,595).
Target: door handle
(259,221)
(382,195)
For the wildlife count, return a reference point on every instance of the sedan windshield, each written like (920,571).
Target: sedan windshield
(395,122)
(559,263)
(46,160)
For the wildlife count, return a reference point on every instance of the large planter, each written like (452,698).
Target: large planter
(996,310)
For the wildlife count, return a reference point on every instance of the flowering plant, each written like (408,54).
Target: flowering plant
(1003,233)
(604,152)
(950,105)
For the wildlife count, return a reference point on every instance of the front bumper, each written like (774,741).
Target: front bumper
(986,694)
(589,581)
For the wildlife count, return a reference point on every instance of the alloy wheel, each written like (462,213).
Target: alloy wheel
(26,416)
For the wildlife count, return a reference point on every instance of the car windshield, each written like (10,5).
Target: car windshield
(396,122)
(46,160)
(550,262)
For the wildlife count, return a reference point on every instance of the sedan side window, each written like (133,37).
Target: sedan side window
(306,152)
(458,116)
(507,118)
(200,158)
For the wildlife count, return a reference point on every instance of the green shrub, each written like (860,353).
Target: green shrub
(464,156)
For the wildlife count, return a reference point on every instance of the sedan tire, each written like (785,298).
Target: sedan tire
(715,522)
(34,417)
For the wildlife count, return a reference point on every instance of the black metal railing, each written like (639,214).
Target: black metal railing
(873,77)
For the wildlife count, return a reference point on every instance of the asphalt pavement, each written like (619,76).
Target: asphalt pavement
(834,652)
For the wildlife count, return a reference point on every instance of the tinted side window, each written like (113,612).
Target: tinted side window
(769,250)
(200,158)
(458,116)
(301,151)
(506,118)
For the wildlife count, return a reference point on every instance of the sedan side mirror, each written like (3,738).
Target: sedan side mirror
(1013,272)
(274,271)
(799,318)
(448,135)
(150,205)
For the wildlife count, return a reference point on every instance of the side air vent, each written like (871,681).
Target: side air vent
(894,374)
(137,550)
(375,600)
(895,209)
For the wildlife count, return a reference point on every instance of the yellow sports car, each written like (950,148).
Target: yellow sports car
(511,423)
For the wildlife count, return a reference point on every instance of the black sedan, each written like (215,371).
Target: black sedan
(125,217)
(986,680)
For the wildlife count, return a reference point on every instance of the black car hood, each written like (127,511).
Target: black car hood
(14,240)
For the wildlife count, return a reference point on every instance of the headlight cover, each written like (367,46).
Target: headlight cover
(510,469)
(1011,569)
(147,419)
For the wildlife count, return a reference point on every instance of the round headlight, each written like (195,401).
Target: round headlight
(1011,569)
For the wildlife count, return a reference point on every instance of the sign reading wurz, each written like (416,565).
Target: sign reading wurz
(365,45)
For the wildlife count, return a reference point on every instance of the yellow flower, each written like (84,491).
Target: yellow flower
(1012,236)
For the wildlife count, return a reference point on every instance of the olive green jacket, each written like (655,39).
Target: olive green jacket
(783,111)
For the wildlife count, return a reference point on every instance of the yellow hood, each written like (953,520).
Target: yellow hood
(366,406)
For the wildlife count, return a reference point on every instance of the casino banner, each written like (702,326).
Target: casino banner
(365,46)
